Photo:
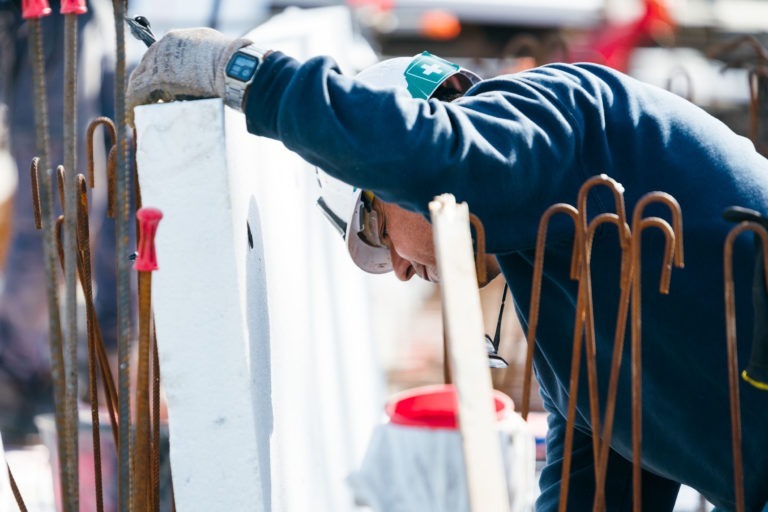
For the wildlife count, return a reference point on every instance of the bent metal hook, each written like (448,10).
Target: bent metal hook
(673,250)
(673,255)
(538,271)
(730,318)
(109,126)
(584,329)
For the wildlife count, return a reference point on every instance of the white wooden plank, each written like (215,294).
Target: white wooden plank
(463,321)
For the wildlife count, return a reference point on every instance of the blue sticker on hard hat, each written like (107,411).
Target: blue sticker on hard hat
(426,72)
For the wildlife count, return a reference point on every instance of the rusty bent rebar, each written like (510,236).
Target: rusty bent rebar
(145,456)
(730,318)
(630,243)
(33,12)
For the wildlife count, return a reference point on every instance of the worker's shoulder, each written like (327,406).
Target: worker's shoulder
(571,83)
(579,74)
(576,75)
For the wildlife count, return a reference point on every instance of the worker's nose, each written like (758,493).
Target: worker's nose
(401,266)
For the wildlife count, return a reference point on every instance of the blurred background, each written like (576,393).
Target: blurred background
(712,52)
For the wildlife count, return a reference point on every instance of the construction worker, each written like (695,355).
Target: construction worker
(512,146)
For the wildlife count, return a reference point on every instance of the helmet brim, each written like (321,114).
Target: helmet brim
(374,260)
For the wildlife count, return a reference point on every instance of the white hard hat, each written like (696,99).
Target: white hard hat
(424,76)
(421,75)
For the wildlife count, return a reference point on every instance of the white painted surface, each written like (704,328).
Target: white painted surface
(326,378)
(197,298)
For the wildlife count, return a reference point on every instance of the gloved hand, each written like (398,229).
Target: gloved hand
(187,63)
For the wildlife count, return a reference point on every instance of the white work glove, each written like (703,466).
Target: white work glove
(184,63)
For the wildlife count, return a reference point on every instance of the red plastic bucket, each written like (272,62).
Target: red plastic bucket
(435,407)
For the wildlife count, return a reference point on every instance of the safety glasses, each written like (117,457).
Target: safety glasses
(373,222)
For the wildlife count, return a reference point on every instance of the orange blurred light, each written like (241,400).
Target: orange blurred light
(440,25)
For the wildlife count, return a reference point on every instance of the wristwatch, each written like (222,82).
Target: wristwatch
(239,74)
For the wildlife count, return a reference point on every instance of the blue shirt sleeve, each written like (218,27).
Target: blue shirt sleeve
(502,151)
(511,147)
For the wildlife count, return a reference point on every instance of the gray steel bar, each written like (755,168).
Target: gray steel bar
(122,222)
(48,225)
(69,457)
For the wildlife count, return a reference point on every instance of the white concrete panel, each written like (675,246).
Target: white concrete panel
(327,382)
(197,297)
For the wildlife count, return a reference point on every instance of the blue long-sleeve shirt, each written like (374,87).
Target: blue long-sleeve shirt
(512,147)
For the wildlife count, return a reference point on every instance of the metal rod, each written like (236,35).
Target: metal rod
(69,421)
(110,390)
(617,191)
(675,252)
(447,378)
(122,219)
(733,370)
(480,265)
(83,260)
(33,171)
(145,263)
(142,453)
(48,226)
(538,272)
(70,455)
(60,179)
(110,127)
(613,382)
(572,391)
(60,240)
(720,51)
(155,453)
(106,372)
(583,330)
(84,270)
(758,76)
(15,490)
(94,333)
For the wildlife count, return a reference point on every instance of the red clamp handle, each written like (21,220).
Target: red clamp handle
(146,261)
(73,7)
(35,9)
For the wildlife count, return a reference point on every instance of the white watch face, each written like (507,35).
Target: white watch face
(242,67)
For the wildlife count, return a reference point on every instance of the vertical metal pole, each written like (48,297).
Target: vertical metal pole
(733,370)
(673,251)
(69,458)
(146,262)
(538,272)
(122,223)
(84,270)
(33,12)
(15,490)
